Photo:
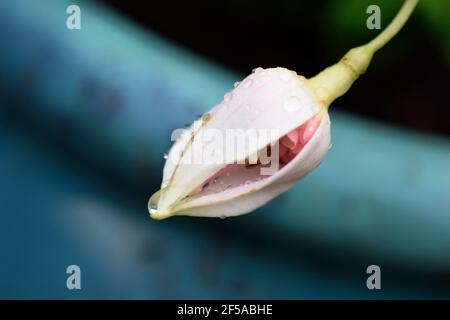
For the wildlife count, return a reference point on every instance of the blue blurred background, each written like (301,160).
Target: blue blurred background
(86,116)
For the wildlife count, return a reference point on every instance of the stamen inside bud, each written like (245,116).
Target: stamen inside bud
(292,143)
(235,175)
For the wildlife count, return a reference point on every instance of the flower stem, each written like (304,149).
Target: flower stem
(334,81)
(394,27)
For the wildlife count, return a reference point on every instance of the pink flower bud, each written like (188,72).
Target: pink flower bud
(292,135)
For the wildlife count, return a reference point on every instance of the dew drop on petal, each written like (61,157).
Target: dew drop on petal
(266,77)
(285,75)
(153,208)
(322,93)
(310,128)
(153,203)
(165,156)
(227,97)
(237,101)
(257,70)
(236,84)
(247,83)
(292,104)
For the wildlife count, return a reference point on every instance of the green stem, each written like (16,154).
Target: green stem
(334,81)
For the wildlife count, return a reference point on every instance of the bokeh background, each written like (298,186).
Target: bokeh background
(86,116)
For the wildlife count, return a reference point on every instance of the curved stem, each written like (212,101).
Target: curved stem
(334,81)
(394,27)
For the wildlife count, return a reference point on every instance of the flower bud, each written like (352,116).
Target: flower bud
(266,134)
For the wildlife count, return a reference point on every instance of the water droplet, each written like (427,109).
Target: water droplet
(265,76)
(322,93)
(285,75)
(165,156)
(292,104)
(153,203)
(215,180)
(227,97)
(153,208)
(237,99)
(247,83)
(236,84)
(257,70)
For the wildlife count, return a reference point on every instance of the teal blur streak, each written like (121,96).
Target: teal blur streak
(380,196)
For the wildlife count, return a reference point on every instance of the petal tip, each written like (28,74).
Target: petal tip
(156,212)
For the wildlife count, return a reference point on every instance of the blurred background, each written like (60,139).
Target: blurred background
(86,117)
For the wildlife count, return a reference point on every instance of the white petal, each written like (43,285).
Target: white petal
(240,201)
(275,100)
